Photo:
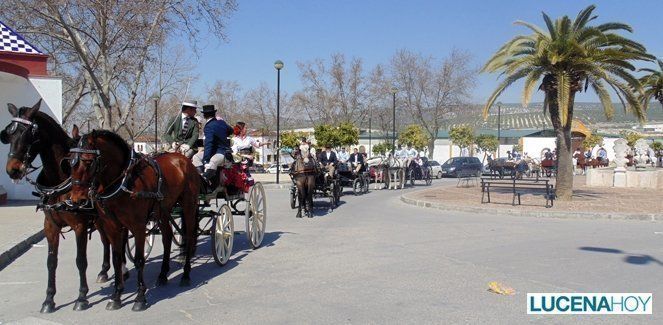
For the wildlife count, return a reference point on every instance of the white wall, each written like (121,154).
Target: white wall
(534,145)
(22,92)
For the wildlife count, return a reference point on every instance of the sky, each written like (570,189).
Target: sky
(262,31)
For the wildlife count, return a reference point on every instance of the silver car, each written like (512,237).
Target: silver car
(436,168)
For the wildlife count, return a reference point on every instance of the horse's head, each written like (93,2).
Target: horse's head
(22,135)
(85,161)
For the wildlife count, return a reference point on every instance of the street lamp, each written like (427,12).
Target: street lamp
(155,98)
(394,90)
(499,126)
(278,65)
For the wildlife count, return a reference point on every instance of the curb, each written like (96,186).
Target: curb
(535,214)
(21,247)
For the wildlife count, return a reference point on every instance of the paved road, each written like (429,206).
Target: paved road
(373,260)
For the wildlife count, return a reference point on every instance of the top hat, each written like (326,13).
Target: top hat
(208,109)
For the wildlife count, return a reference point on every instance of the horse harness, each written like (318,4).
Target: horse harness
(33,130)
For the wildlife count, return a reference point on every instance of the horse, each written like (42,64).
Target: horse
(498,166)
(378,171)
(395,172)
(32,133)
(581,162)
(303,173)
(128,190)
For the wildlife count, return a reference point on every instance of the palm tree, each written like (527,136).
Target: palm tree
(568,57)
(652,85)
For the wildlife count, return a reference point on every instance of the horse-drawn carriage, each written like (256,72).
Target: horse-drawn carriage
(515,169)
(358,181)
(419,172)
(309,181)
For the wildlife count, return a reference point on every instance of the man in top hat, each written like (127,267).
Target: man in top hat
(217,145)
(182,131)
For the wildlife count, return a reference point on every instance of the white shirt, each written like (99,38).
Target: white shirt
(343,155)
(184,117)
(240,143)
(411,153)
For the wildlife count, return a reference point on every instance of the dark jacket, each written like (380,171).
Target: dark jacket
(360,158)
(216,138)
(322,158)
(174,131)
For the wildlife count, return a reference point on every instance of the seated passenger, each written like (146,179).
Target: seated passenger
(328,160)
(182,131)
(217,146)
(357,161)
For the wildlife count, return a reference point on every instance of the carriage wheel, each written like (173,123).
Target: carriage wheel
(367,182)
(177,234)
(149,242)
(223,235)
(429,180)
(256,215)
(411,176)
(356,186)
(293,198)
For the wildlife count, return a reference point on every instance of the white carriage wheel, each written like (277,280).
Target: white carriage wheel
(149,242)
(256,215)
(223,234)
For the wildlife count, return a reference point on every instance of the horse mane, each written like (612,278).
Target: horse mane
(54,128)
(114,138)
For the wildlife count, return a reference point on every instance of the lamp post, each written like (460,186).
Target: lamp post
(499,126)
(155,98)
(394,90)
(278,65)
(370,148)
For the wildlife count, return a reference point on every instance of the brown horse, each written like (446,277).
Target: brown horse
(130,190)
(303,175)
(31,133)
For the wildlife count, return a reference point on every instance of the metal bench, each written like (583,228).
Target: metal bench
(518,187)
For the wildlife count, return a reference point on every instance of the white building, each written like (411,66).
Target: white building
(24,80)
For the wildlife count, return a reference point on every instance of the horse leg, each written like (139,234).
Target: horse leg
(52,233)
(105,265)
(310,188)
(140,303)
(166,240)
(189,210)
(301,199)
(81,263)
(115,237)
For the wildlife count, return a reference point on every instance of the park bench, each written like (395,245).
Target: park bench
(518,187)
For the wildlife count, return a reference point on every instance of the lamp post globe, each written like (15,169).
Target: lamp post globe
(278,64)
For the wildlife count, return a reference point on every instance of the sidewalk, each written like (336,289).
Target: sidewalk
(20,228)
(587,203)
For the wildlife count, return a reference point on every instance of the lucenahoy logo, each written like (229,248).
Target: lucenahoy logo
(589,303)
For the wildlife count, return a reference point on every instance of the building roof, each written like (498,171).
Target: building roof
(11,41)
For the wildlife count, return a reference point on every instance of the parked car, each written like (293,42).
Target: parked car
(436,168)
(257,168)
(285,168)
(462,166)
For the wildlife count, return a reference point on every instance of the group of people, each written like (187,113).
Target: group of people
(601,154)
(330,159)
(409,155)
(183,130)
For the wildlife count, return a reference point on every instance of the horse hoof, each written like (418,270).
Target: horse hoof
(162,281)
(185,282)
(81,305)
(102,278)
(47,308)
(139,306)
(114,305)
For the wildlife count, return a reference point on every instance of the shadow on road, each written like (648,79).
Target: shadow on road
(636,259)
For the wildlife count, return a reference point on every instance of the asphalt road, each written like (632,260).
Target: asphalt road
(373,260)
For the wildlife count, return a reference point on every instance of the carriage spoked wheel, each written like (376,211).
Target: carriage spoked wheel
(410,176)
(223,234)
(357,186)
(256,215)
(177,232)
(149,242)
(367,182)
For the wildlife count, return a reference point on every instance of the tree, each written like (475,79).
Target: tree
(462,136)
(567,57)
(382,148)
(592,141)
(348,134)
(291,140)
(413,135)
(432,92)
(652,84)
(345,134)
(631,137)
(104,48)
(486,143)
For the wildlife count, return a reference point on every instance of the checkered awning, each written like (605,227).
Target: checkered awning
(10,41)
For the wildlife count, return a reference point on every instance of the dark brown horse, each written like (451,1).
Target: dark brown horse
(303,174)
(128,191)
(31,133)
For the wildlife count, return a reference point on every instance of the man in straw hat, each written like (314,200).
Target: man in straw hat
(217,145)
(182,131)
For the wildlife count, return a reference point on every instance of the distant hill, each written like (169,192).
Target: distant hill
(514,116)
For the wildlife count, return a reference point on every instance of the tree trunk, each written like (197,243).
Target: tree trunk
(431,147)
(564,180)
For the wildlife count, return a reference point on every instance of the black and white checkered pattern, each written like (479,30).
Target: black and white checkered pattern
(10,41)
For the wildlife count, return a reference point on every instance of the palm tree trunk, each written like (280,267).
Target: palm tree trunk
(564,180)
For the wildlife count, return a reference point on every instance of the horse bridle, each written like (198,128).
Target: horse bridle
(33,130)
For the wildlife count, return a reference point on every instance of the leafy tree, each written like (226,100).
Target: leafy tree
(345,134)
(290,140)
(657,147)
(652,84)
(486,143)
(631,137)
(565,57)
(462,136)
(592,141)
(382,148)
(348,134)
(414,136)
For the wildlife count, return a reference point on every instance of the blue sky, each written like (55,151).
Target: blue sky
(262,31)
